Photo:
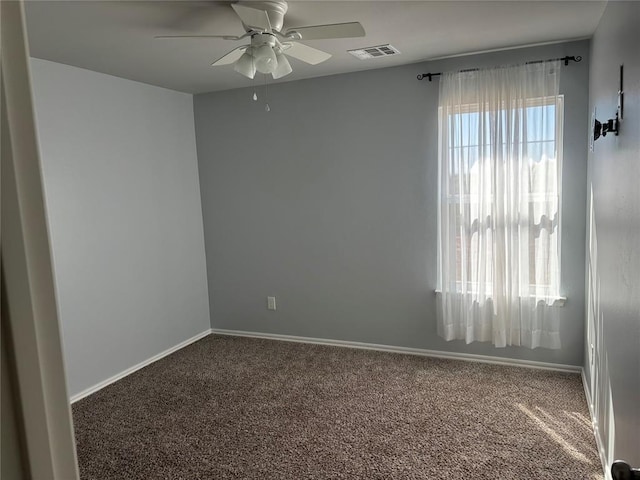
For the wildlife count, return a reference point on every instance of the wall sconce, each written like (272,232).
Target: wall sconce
(600,129)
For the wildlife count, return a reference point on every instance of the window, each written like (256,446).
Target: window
(477,134)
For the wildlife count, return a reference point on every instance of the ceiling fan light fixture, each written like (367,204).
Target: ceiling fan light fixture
(265,59)
(246,65)
(283,68)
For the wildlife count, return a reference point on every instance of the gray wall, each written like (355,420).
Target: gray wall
(614,177)
(328,203)
(121,186)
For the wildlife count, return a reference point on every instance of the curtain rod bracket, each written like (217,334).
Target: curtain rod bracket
(428,75)
(572,59)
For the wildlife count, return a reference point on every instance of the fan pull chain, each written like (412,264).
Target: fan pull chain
(253,80)
(267,108)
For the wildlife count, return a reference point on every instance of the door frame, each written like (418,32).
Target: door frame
(27,274)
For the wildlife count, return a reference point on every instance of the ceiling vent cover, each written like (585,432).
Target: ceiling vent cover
(374,52)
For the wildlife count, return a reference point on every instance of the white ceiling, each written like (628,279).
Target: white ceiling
(116,37)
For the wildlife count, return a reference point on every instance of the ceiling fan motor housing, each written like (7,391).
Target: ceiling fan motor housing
(276,10)
(260,39)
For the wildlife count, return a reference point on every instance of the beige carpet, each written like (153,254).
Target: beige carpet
(229,407)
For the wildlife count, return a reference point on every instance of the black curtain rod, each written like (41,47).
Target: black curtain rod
(566,61)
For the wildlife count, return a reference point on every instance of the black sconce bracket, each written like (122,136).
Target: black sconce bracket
(613,124)
(610,126)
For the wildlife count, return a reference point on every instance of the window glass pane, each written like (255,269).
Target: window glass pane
(479,137)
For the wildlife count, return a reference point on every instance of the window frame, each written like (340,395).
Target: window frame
(552,293)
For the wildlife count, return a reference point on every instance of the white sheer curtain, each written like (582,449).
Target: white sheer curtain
(500,155)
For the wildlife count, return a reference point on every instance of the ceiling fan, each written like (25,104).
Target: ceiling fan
(269,45)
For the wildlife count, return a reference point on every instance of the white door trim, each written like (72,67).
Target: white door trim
(27,275)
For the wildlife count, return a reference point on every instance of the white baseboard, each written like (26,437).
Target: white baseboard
(343,343)
(406,350)
(596,432)
(129,371)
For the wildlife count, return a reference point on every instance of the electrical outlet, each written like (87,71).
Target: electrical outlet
(271,303)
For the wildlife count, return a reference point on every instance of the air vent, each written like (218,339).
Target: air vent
(374,52)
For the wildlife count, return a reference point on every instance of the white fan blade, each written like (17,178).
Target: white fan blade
(335,30)
(253,17)
(305,53)
(226,37)
(230,57)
